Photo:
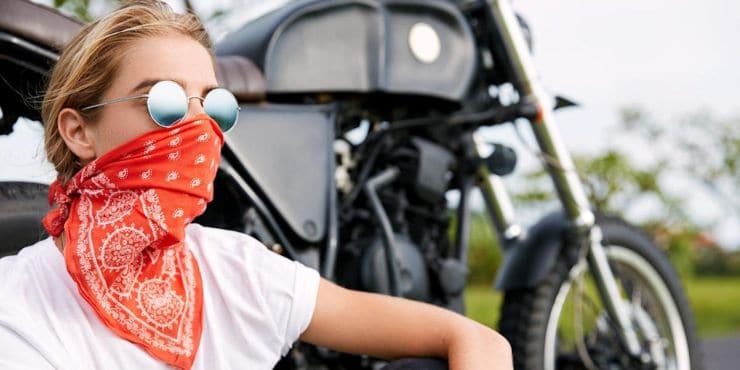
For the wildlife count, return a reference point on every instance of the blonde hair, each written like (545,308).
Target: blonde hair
(89,63)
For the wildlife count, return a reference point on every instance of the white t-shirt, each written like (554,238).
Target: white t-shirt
(256,305)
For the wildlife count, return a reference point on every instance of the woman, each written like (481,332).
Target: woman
(134,122)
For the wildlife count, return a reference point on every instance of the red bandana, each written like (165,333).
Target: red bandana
(124,218)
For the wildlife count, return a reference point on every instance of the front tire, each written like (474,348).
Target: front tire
(550,326)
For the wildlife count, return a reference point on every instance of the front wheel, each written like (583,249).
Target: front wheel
(562,324)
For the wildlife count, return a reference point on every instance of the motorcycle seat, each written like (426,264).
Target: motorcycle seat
(242,77)
(37,23)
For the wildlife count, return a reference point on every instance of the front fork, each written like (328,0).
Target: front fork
(561,169)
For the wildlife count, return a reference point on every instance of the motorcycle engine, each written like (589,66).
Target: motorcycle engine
(416,207)
(414,283)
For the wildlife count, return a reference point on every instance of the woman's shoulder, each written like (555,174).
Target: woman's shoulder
(35,262)
(32,282)
(212,241)
(220,251)
(228,257)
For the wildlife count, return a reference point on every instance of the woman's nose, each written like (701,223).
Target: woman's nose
(195,105)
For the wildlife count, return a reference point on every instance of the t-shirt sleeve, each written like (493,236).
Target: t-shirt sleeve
(18,353)
(290,291)
(305,291)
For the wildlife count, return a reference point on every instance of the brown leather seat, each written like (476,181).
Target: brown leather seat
(37,23)
(242,77)
(49,28)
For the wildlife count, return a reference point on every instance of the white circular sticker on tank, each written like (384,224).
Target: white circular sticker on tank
(424,43)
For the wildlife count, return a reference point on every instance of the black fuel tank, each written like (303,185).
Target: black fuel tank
(418,47)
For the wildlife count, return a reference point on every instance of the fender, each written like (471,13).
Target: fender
(528,259)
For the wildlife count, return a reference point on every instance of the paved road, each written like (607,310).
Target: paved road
(722,353)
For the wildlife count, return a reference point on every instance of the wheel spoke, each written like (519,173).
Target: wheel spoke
(637,297)
(601,340)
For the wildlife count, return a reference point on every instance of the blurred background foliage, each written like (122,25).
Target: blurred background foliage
(87,10)
(78,8)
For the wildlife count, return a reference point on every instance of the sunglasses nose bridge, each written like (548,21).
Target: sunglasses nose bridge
(195,107)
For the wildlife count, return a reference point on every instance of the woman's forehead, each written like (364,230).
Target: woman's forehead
(174,57)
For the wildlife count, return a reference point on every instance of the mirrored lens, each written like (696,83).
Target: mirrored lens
(221,105)
(167,103)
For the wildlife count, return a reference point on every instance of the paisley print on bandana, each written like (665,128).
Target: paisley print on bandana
(124,216)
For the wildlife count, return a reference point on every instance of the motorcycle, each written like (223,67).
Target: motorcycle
(358,116)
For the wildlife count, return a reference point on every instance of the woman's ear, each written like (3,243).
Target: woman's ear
(76,134)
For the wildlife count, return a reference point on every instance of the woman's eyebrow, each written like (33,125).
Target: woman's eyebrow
(143,84)
(150,82)
(208,89)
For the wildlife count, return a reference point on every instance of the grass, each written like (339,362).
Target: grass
(482,304)
(715,302)
(716,305)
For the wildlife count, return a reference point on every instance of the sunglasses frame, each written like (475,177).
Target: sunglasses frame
(201,98)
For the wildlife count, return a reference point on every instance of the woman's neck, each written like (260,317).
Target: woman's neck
(59,241)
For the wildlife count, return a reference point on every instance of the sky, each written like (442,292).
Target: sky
(670,57)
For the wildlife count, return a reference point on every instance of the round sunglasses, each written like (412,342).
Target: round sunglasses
(167,104)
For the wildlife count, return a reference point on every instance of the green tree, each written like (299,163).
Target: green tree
(613,182)
(82,9)
(699,149)
(78,8)
(704,148)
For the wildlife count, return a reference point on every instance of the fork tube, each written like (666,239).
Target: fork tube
(564,176)
(498,203)
(560,165)
(462,235)
(607,287)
